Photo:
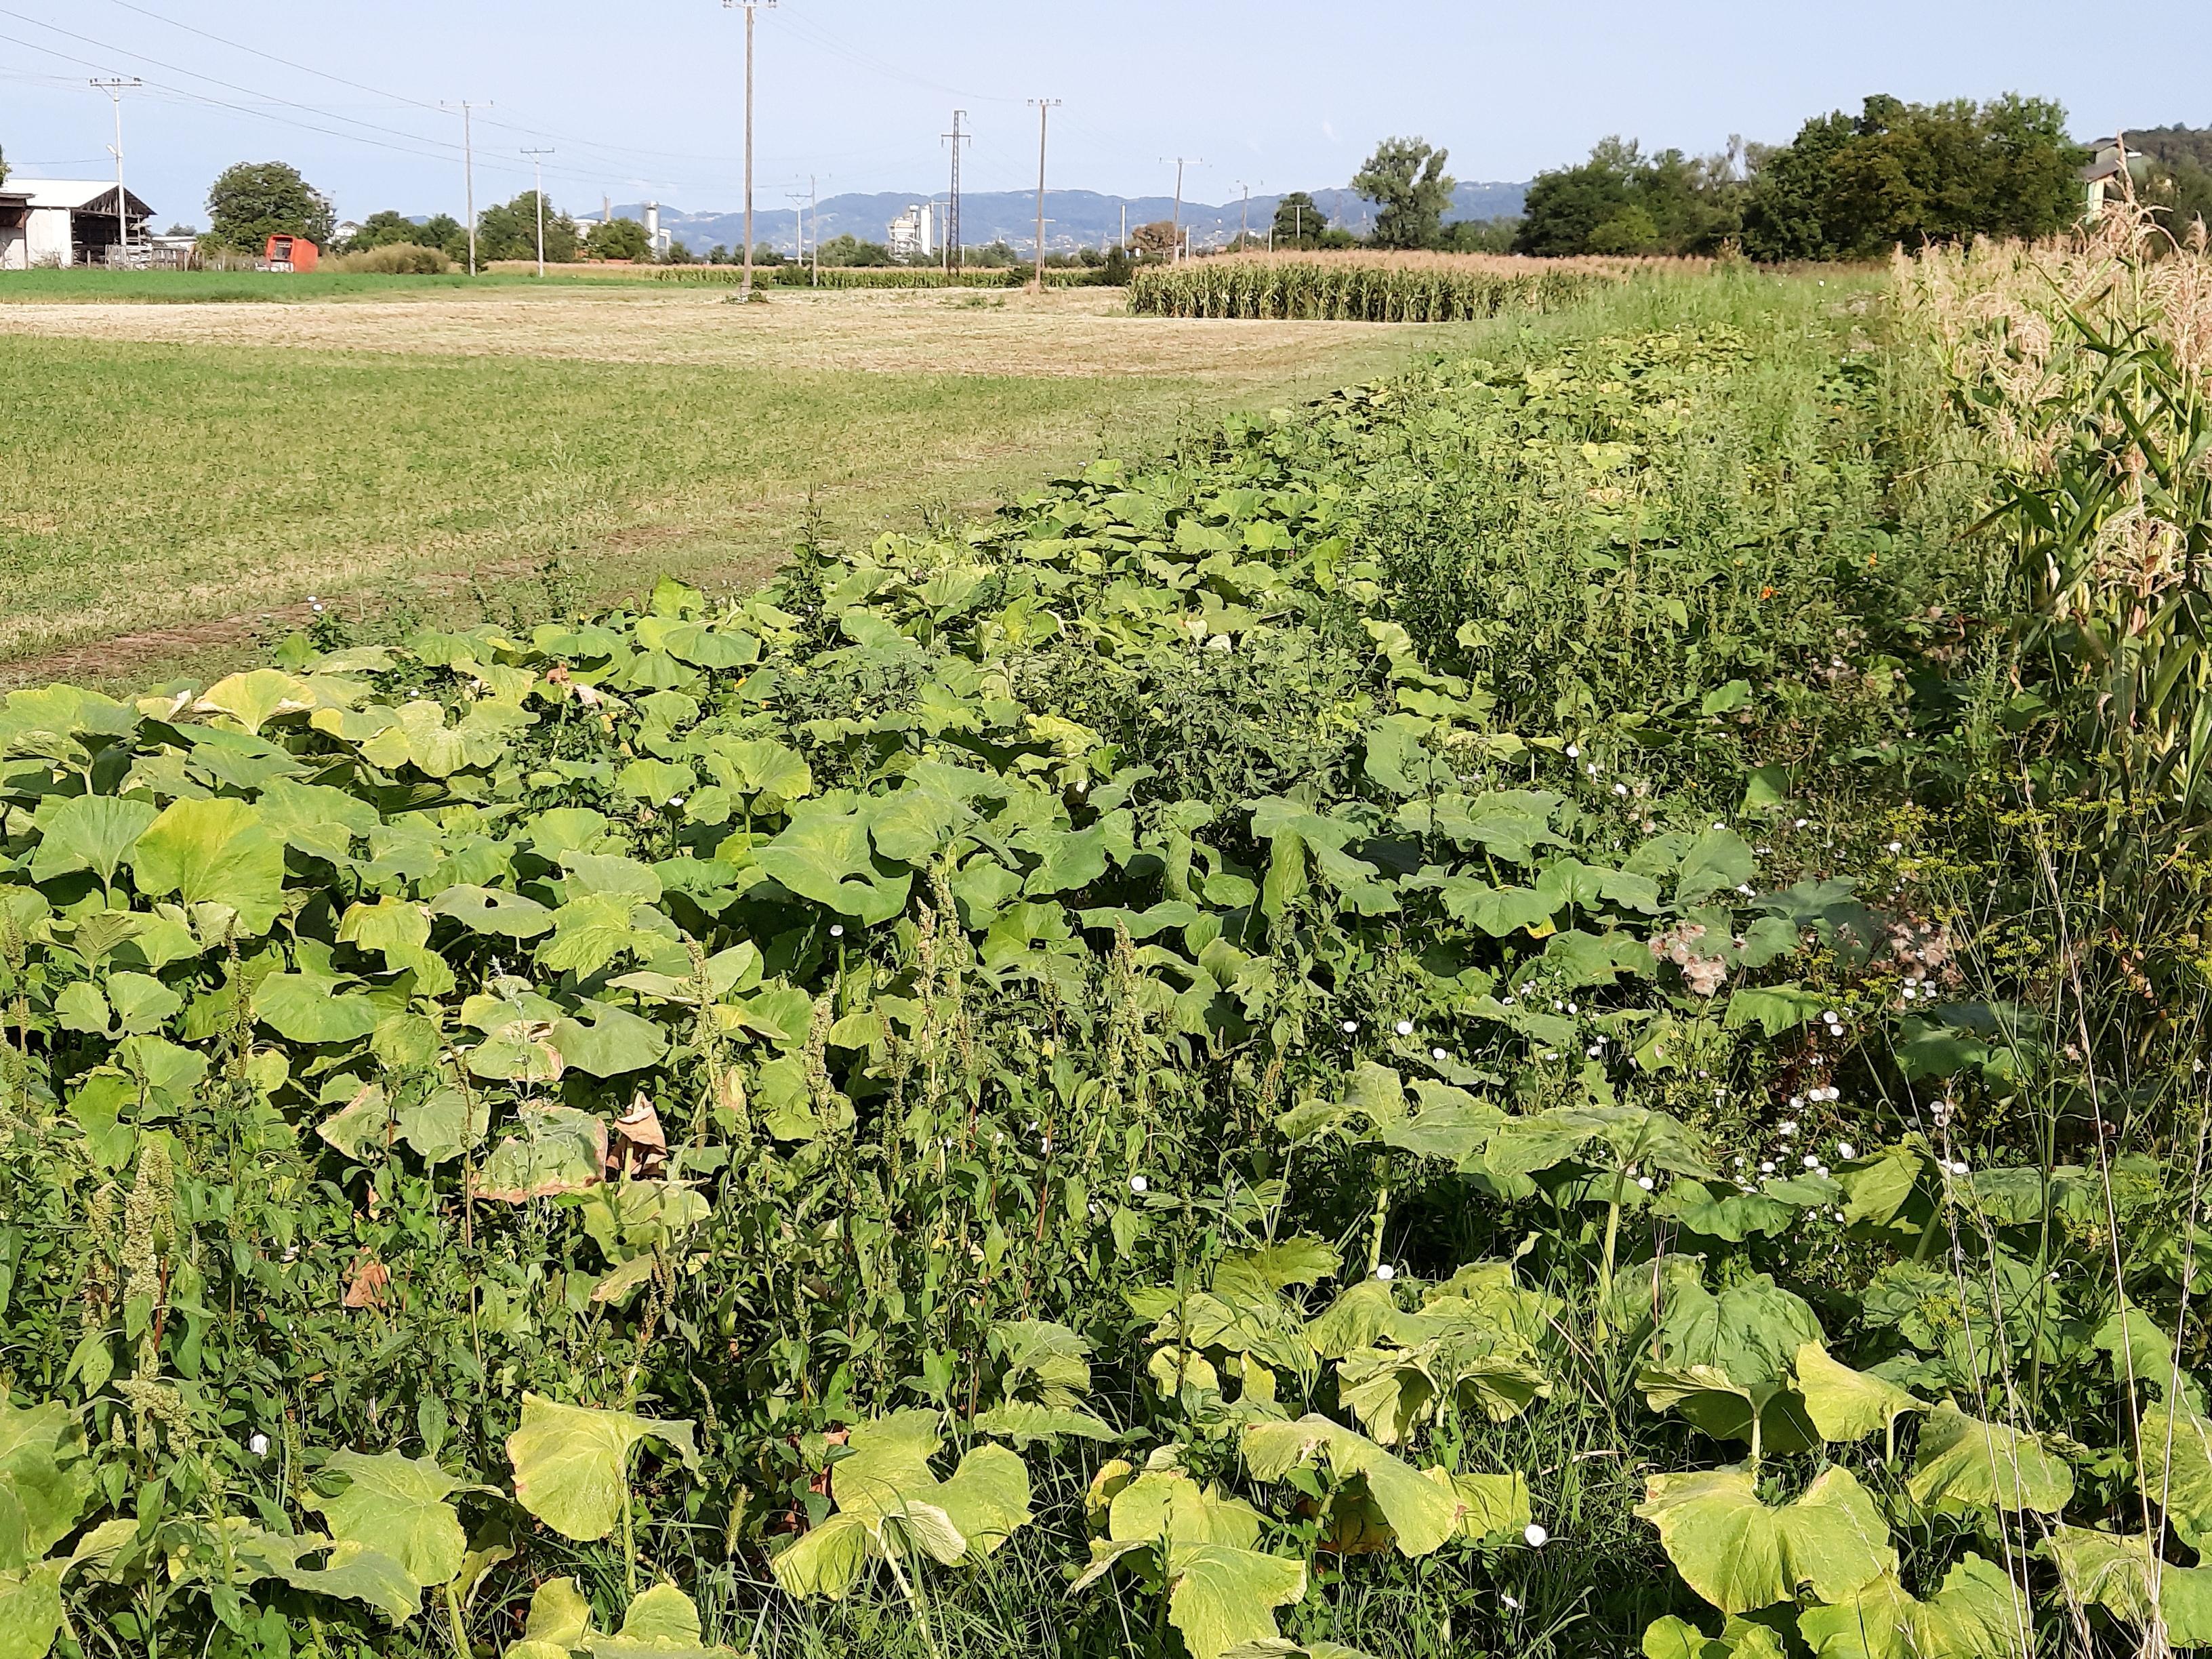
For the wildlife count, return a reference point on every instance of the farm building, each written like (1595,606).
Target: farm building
(64,222)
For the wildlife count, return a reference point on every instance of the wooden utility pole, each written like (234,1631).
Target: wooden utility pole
(115,87)
(1180,162)
(469,170)
(752,9)
(537,164)
(1044,107)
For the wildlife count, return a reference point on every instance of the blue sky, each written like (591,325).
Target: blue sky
(645,99)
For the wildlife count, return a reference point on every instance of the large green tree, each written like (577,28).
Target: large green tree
(1853,187)
(617,239)
(252,202)
(509,231)
(1407,182)
(1299,221)
(2176,174)
(1622,201)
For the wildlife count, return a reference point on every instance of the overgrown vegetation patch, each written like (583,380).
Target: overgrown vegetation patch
(1439,1023)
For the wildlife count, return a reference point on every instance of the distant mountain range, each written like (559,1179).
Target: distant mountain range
(1073,218)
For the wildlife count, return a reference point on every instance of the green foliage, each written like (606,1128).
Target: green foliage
(1299,221)
(616,239)
(1623,202)
(252,201)
(1854,186)
(509,231)
(1405,178)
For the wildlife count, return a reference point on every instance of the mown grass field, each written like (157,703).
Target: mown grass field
(169,473)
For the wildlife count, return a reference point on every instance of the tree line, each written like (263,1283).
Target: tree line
(1845,187)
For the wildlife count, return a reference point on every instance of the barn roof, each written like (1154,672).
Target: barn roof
(78,195)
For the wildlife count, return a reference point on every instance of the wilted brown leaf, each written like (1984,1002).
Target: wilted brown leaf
(368,1282)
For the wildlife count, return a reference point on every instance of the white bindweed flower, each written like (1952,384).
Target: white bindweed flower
(1620,788)
(1137,1183)
(1438,1055)
(1573,1009)
(1846,1151)
(1574,751)
(1796,1101)
(1897,847)
(258,1445)
(1536,1535)
(1789,1124)
(1507,1602)
(676,800)
(1386,1273)
(1767,1166)
(1801,824)
(1812,1161)
(1404,1028)
(1740,1163)
(836,929)
(1645,1182)
(1349,1026)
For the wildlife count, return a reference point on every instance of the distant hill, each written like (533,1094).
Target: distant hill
(1074,218)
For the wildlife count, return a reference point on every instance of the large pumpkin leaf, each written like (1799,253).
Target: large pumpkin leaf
(889,1501)
(213,852)
(662,1623)
(44,1480)
(1220,1598)
(614,1042)
(87,832)
(825,855)
(1677,1639)
(1770,1416)
(397,1505)
(31,1610)
(1741,1554)
(1421,1515)
(1847,1404)
(305,1009)
(571,1462)
(2118,1573)
(560,1150)
(1979,1613)
(1964,1464)
(2177,1470)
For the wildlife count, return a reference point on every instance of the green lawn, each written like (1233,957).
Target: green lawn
(219,287)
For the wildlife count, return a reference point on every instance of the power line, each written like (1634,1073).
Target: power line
(212,80)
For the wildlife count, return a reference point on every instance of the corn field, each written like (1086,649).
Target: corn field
(860,277)
(1314,290)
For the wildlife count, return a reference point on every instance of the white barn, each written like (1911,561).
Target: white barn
(63,222)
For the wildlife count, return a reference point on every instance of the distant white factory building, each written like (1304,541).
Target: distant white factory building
(913,233)
(65,221)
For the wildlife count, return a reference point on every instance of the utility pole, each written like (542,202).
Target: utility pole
(814,202)
(953,259)
(798,200)
(1044,107)
(115,87)
(537,164)
(1125,226)
(752,9)
(1180,162)
(469,171)
(1244,230)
